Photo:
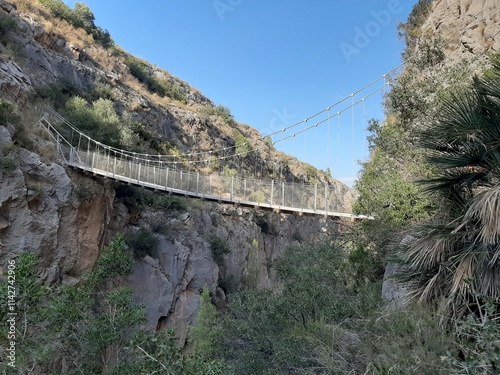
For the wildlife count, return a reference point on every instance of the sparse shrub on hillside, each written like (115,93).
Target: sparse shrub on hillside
(141,71)
(81,17)
(57,94)
(7,161)
(242,143)
(83,194)
(222,112)
(103,90)
(7,24)
(99,121)
(136,199)
(8,114)
(411,29)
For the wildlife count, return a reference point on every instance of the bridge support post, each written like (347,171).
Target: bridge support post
(197,182)
(114,166)
(166,179)
(326,197)
(93,159)
(139,173)
(315,196)
(232,188)
(272,191)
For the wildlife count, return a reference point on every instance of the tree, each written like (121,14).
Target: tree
(457,254)
(83,16)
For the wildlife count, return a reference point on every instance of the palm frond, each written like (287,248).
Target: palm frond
(485,209)
(462,274)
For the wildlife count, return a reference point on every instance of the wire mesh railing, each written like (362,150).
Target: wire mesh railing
(81,151)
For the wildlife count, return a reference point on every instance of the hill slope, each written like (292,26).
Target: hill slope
(160,113)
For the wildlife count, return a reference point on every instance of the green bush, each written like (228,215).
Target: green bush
(222,112)
(81,17)
(242,143)
(71,329)
(219,248)
(83,194)
(59,93)
(8,113)
(99,120)
(143,243)
(141,71)
(7,24)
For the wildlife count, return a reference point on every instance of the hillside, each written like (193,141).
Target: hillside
(165,114)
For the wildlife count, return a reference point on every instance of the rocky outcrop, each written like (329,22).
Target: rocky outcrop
(170,284)
(14,84)
(43,211)
(471,26)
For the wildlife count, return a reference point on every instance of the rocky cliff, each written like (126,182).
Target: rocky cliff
(65,217)
(470,26)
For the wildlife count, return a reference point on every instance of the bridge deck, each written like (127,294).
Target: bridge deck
(150,171)
(219,199)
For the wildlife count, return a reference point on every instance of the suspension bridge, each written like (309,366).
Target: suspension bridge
(168,173)
(165,172)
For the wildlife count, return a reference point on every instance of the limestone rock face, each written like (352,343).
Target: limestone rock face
(472,26)
(170,285)
(14,84)
(41,213)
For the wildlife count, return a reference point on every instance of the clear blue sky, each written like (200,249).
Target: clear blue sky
(272,62)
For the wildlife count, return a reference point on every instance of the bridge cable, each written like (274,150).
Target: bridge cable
(124,152)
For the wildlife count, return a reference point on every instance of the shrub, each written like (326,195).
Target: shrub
(141,71)
(99,120)
(80,17)
(219,248)
(59,93)
(144,242)
(8,113)
(7,164)
(222,112)
(170,202)
(83,194)
(7,23)
(242,143)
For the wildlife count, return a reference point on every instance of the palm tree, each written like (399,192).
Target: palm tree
(456,257)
